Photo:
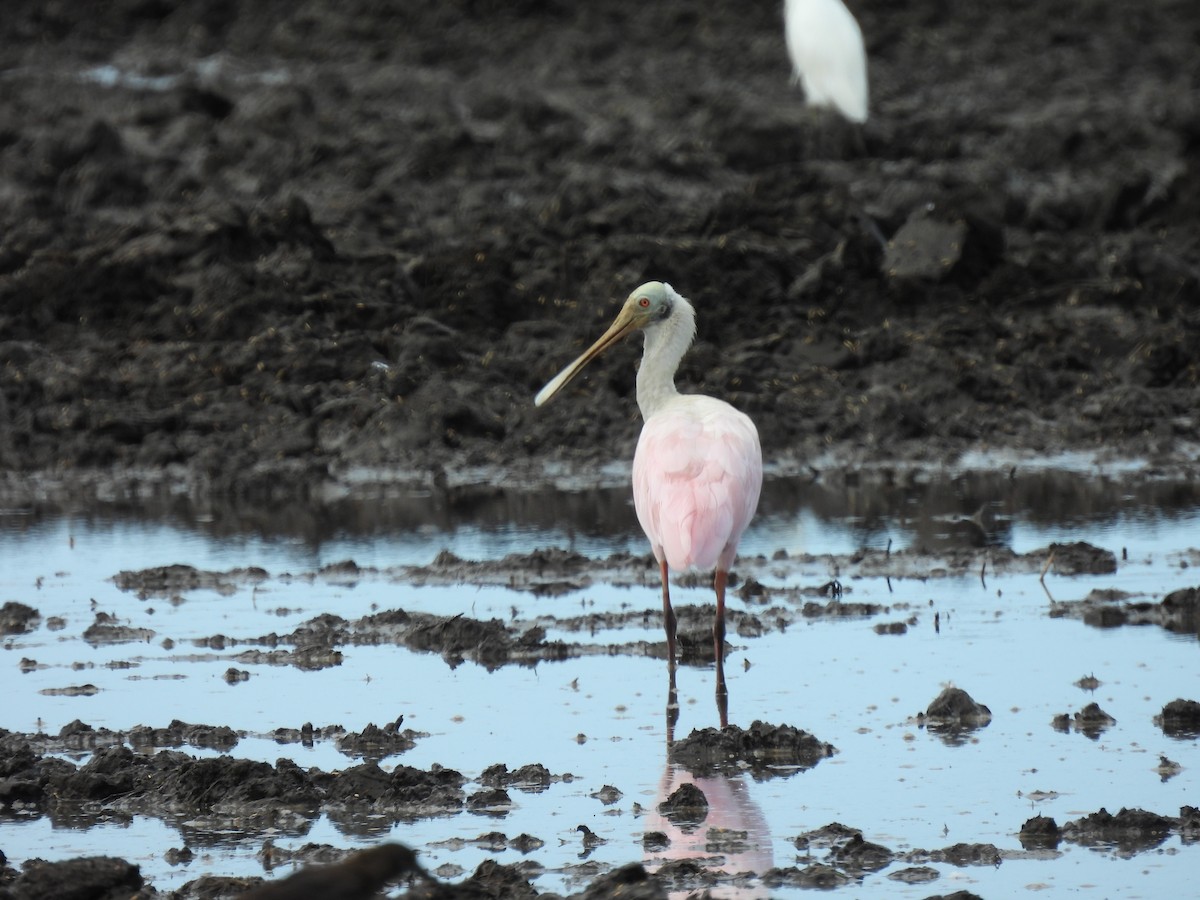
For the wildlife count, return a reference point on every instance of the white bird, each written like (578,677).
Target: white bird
(697,470)
(826,47)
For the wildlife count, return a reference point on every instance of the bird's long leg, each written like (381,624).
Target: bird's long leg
(668,619)
(719,582)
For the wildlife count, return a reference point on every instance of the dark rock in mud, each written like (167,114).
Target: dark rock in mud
(1130,829)
(766,749)
(359,877)
(954,714)
(938,245)
(83,878)
(1040,833)
(1180,718)
(17,618)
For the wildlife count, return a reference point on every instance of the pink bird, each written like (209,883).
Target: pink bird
(697,471)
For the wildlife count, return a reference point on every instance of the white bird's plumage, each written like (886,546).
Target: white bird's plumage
(826,47)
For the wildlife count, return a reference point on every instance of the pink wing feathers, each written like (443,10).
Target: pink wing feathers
(697,474)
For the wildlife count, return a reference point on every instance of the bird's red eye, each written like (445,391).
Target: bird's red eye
(644,302)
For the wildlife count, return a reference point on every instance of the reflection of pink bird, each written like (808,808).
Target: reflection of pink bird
(734,838)
(697,470)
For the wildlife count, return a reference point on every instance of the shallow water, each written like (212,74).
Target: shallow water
(602,718)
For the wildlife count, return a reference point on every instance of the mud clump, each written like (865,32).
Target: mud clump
(817,875)
(1040,833)
(17,618)
(375,743)
(108,630)
(959,855)
(1178,612)
(532,778)
(1180,718)
(120,779)
(857,855)
(1080,558)
(766,749)
(1091,721)
(167,581)
(954,715)
(1129,829)
(101,877)
(686,805)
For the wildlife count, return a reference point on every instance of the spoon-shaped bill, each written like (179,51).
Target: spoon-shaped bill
(627,320)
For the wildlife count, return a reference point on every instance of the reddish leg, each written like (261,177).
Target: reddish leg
(719,634)
(668,619)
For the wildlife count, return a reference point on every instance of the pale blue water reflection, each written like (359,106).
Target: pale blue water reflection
(602,719)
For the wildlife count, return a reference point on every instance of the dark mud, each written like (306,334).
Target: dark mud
(246,795)
(259,247)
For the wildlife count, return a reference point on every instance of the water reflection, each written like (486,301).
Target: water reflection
(797,514)
(732,838)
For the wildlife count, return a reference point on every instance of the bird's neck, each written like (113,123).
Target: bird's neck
(665,345)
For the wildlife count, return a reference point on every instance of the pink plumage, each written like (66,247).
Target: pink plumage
(697,474)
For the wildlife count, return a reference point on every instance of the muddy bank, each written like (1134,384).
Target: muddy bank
(262,245)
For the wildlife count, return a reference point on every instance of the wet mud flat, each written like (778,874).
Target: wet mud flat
(253,250)
(260,245)
(82,773)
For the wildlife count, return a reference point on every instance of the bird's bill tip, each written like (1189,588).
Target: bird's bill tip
(626,321)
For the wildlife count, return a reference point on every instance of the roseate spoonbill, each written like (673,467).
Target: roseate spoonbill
(697,470)
(826,47)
